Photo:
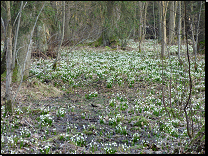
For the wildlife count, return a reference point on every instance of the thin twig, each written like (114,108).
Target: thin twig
(30,124)
(163,97)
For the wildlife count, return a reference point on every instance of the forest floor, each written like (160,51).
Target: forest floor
(107,102)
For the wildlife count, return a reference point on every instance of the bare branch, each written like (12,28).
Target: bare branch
(28,51)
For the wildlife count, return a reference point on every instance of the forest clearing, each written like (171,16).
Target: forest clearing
(56,116)
(103,77)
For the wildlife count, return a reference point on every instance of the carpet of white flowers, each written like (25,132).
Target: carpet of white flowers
(126,88)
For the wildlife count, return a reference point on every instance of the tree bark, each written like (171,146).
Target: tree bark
(9,106)
(107,33)
(16,37)
(62,37)
(67,24)
(23,69)
(184,24)
(3,54)
(141,24)
(145,19)
(190,81)
(21,55)
(164,5)
(179,28)
(42,45)
(172,22)
(141,8)
(195,31)
(160,21)
(3,61)
(154,19)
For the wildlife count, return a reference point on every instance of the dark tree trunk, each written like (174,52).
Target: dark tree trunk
(108,22)
(3,61)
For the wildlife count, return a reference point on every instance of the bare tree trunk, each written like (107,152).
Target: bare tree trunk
(154,18)
(163,96)
(179,28)
(134,31)
(9,106)
(140,20)
(24,54)
(3,54)
(190,81)
(159,21)
(68,15)
(144,22)
(141,26)
(107,32)
(172,22)
(74,22)
(184,25)
(42,45)
(21,55)
(62,37)
(26,59)
(16,36)
(63,24)
(164,10)
(195,32)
